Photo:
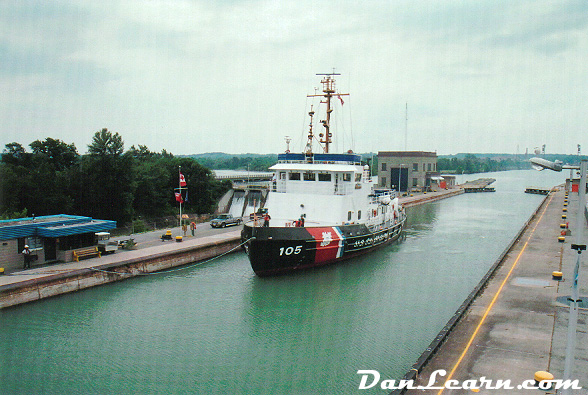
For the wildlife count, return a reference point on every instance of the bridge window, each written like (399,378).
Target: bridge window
(349,216)
(357,177)
(309,176)
(359,215)
(346,176)
(282,175)
(324,176)
(294,176)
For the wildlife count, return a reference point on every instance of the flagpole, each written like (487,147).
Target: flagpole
(180,189)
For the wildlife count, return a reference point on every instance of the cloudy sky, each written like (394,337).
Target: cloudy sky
(193,76)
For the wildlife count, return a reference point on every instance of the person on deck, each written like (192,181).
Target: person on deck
(266,219)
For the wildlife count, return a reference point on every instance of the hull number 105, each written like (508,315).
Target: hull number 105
(290,250)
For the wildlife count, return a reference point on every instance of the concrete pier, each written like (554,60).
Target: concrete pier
(519,323)
(43,282)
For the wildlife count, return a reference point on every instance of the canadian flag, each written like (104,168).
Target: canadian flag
(182,180)
(179,197)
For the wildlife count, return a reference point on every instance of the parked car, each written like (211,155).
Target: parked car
(223,220)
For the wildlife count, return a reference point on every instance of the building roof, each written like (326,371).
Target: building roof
(407,154)
(52,226)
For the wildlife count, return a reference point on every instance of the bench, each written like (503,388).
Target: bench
(86,252)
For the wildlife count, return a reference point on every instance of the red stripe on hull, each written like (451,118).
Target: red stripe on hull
(327,244)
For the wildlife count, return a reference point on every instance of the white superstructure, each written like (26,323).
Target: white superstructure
(327,190)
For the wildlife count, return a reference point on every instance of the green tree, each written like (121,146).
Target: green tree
(108,179)
(56,152)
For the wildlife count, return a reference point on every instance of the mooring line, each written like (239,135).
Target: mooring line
(468,345)
(173,270)
(138,273)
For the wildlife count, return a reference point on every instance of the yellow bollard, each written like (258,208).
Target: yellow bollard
(541,376)
(556,275)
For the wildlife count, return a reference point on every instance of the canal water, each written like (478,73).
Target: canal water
(217,328)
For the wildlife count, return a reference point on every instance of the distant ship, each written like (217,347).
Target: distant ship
(322,207)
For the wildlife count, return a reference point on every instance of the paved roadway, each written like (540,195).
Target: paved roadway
(151,239)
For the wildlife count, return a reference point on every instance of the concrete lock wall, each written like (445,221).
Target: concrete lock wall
(51,285)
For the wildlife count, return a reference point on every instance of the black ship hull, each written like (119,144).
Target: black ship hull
(273,250)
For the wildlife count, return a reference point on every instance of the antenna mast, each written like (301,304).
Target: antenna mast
(328,92)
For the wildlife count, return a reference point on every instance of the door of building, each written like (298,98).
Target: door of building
(399,175)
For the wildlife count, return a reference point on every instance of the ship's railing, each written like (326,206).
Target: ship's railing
(377,198)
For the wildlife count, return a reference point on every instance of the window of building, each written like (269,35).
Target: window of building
(309,176)
(294,176)
(324,176)
(346,176)
(415,167)
(383,181)
(383,166)
(429,167)
(415,182)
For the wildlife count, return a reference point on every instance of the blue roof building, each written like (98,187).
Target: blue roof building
(49,237)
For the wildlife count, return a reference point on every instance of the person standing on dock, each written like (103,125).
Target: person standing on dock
(27,257)
(192,227)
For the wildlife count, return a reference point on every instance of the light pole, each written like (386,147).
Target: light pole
(579,246)
(574,299)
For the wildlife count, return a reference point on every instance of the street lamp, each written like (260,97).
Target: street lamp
(574,299)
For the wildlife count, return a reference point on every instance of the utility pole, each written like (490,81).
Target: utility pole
(574,299)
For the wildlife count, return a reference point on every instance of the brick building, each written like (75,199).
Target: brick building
(413,170)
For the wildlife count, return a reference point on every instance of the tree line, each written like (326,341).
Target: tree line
(473,164)
(106,183)
(222,161)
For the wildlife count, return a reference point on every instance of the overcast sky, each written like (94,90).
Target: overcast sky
(232,76)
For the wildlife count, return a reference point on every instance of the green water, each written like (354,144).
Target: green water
(217,328)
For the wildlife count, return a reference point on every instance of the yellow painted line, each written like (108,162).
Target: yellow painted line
(494,300)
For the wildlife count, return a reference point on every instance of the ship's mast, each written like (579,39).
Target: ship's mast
(328,92)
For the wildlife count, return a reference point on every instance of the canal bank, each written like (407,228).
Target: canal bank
(217,328)
(43,282)
(515,321)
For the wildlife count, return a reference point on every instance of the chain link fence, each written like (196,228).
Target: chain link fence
(141,225)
